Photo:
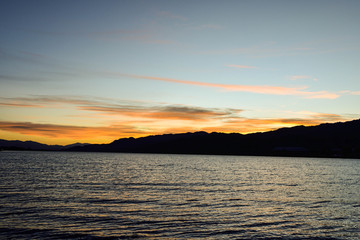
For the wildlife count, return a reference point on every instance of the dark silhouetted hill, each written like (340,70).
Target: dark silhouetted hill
(30,145)
(326,140)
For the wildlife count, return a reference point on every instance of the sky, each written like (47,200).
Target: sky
(96,71)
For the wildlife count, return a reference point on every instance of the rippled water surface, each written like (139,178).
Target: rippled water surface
(54,195)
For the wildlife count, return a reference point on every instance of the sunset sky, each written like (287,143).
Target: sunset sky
(95,71)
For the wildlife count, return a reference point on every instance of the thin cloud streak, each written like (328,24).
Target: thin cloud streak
(241,66)
(125,108)
(160,112)
(297,77)
(211,26)
(263,51)
(273,90)
(126,128)
(139,35)
(20,105)
(351,92)
(67,131)
(300,77)
(171,15)
(137,119)
(243,125)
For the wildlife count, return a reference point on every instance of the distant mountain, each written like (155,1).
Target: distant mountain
(30,145)
(73,145)
(326,140)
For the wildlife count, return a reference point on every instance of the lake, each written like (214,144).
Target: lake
(64,195)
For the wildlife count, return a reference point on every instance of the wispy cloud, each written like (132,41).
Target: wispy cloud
(241,66)
(296,77)
(211,26)
(138,35)
(172,112)
(126,118)
(299,77)
(125,108)
(149,38)
(14,104)
(265,89)
(267,124)
(260,89)
(117,130)
(350,92)
(67,131)
(261,51)
(27,58)
(43,100)
(171,15)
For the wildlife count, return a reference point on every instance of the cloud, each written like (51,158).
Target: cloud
(148,38)
(298,77)
(351,92)
(136,119)
(261,51)
(19,105)
(321,94)
(243,125)
(211,26)
(125,108)
(260,89)
(241,66)
(139,35)
(163,112)
(265,89)
(328,117)
(348,92)
(43,100)
(24,59)
(171,15)
(67,131)
(130,128)
(27,58)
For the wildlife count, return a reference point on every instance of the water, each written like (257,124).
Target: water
(55,195)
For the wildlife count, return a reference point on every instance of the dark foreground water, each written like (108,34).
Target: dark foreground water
(54,195)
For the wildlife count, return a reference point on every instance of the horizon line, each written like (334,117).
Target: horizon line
(192,132)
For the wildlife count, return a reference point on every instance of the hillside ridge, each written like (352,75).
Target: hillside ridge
(340,139)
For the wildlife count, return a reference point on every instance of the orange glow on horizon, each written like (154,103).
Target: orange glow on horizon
(66,134)
(99,121)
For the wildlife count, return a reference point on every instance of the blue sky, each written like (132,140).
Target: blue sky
(98,70)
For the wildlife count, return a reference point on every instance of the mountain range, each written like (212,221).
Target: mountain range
(340,139)
(31,145)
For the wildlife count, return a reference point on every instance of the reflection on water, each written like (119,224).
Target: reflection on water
(93,195)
